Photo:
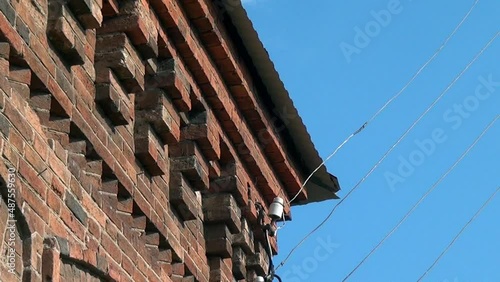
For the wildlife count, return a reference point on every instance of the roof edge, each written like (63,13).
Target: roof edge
(323,185)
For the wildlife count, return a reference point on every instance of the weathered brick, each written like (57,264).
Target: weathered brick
(111,247)
(183,197)
(154,107)
(22,90)
(128,265)
(8,11)
(4,48)
(114,101)
(61,31)
(218,241)
(88,12)
(183,131)
(54,201)
(36,203)
(222,207)
(149,151)
(18,121)
(4,125)
(125,246)
(20,75)
(115,51)
(259,261)
(34,181)
(239,264)
(187,158)
(110,8)
(134,22)
(76,208)
(23,30)
(170,78)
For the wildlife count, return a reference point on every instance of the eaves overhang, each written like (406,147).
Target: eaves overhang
(323,185)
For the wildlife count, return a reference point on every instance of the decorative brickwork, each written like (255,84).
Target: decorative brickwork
(134,133)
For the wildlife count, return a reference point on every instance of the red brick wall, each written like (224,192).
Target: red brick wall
(134,136)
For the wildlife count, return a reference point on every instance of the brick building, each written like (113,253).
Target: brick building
(138,140)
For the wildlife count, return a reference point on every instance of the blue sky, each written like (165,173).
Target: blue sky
(336,93)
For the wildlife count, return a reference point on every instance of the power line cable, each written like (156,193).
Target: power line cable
(436,53)
(422,199)
(390,150)
(458,235)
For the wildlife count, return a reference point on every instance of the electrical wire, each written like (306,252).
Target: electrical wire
(270,271)
(390,149)
(283,220)
(422,198)
(436,53)
(458,235)
(269,252)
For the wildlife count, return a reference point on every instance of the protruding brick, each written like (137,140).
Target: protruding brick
(135,21)
(61,31)
(219,269)
(87,12)
(154,107)
(259,261)
(115,51)
(230,184)
(149,151)
(239,263)
(20,75)
(222,208)
(4,50)
(51,267)
(201,129)
(187,158)
(170,78)
(110,8)
(218,241)
(114,101)
(244,239)
(183,197)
